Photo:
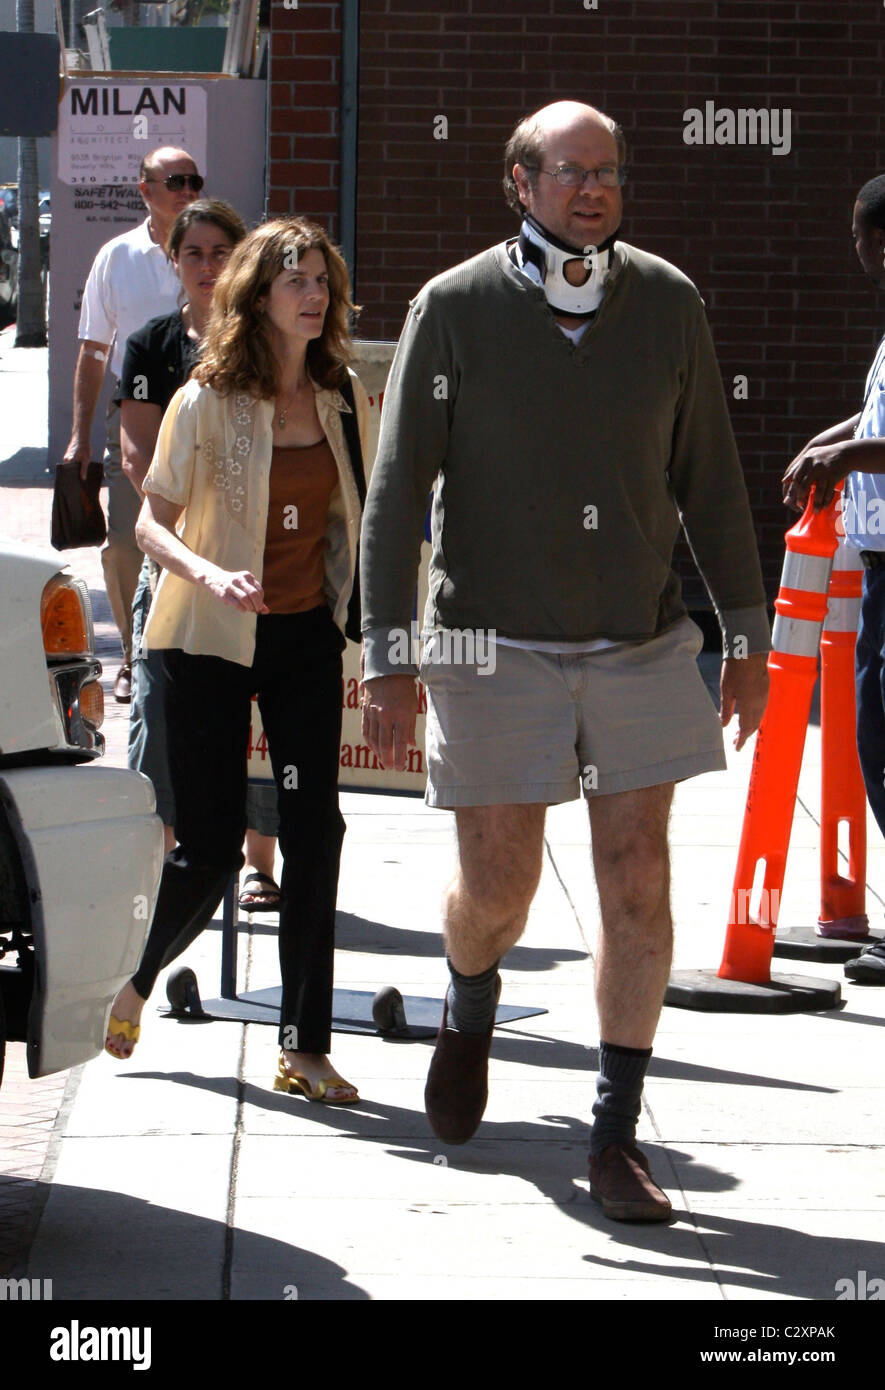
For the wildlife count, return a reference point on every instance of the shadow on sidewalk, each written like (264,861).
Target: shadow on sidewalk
(353,933)
(550,1154)
(566,1056)
(771,1259)
(110,1246)
(555,1053)
(854,1018)
(26,468)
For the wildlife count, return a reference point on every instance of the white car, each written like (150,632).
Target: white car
(81,849)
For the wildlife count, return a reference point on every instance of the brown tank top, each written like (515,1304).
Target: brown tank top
(302,481)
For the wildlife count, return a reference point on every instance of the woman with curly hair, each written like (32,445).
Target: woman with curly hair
(159,358)
(252,509)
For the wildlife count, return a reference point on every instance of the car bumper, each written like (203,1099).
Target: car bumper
(92,848)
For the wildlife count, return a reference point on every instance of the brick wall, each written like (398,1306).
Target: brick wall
(305,97)
(765,237)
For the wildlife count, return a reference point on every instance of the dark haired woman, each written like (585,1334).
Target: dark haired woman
(252,510)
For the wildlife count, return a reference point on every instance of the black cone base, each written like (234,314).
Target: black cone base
(784,994)
(352,1011)
(803,943)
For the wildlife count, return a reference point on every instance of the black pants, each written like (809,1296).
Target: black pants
(296,675)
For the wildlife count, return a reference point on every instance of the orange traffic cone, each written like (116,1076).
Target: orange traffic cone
(843,927)
(744,982)
(801,607)
(843,798)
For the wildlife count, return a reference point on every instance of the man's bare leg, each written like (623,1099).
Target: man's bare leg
(631,859)
(499,863)
(500,852)
(632,863)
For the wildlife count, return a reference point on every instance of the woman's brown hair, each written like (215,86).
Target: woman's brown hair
(237,354)
(212,210)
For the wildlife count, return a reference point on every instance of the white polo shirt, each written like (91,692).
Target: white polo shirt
(131,280)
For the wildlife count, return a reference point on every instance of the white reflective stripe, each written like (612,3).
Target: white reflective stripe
(843,615)
(795,636)
(847,558)
(808,572)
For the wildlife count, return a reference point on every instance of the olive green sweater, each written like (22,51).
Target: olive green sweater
(562,472)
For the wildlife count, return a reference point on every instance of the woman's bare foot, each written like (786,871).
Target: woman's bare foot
(262,894)
(316,1067)
(126,1008)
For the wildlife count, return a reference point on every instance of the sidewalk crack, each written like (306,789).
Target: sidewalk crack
(568,897)
(230,1223)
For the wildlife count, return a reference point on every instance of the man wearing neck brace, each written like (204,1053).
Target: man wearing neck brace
(560,394)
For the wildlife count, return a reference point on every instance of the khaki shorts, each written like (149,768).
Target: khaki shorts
(534,727)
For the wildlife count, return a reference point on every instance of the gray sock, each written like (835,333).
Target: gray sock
(618,1095)
(472,999)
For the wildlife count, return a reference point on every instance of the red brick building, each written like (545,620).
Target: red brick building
(764,235)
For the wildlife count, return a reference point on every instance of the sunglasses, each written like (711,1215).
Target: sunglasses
(176,182)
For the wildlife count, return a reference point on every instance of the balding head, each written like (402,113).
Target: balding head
(164,154)
(558,122)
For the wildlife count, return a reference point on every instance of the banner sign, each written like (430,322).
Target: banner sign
(105,129)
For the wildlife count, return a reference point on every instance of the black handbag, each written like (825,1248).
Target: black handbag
(353,626)
(77,517)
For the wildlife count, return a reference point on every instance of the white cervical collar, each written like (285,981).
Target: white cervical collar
(544,258)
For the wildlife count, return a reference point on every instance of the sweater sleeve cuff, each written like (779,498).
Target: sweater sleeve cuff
(389,651)
(745,631)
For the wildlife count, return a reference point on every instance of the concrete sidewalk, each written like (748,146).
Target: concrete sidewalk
(765,1131)
(182,1175)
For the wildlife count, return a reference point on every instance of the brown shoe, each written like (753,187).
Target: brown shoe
(123,684)
(458,1081)
(621,1181)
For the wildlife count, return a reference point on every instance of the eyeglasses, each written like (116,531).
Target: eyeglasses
(176,182)
(573,176)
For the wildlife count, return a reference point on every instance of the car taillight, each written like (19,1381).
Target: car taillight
(92,703)
(67,630)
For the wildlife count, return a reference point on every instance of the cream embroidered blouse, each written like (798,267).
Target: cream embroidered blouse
(213,457)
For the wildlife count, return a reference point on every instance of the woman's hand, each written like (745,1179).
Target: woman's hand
(156,535)
(238,589)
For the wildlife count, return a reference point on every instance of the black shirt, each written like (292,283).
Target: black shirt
(159,358)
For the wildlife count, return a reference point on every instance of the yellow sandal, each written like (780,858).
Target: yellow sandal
(293,1083)
(122,1028)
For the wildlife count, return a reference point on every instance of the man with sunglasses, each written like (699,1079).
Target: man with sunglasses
(562,391)
(131,281)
